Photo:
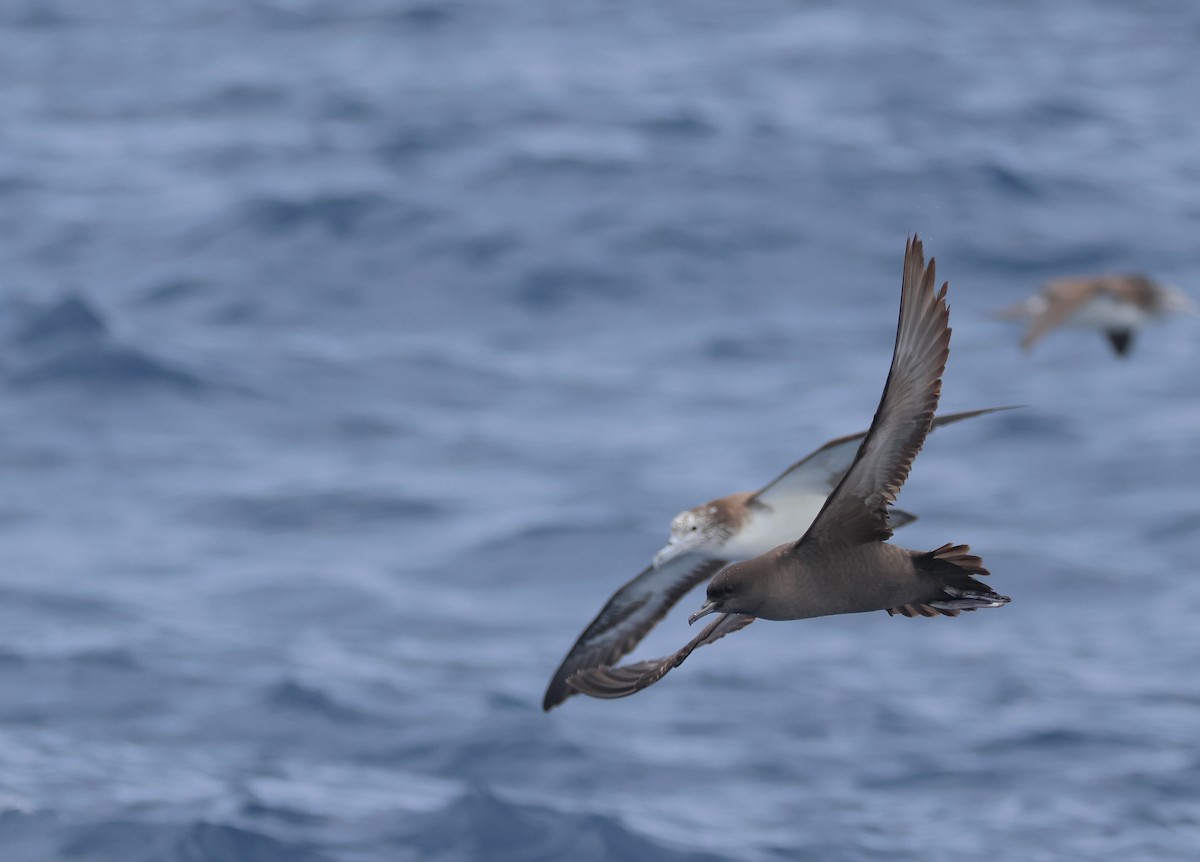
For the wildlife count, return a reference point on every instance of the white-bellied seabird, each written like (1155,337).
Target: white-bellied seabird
(842,564)
(1117,305)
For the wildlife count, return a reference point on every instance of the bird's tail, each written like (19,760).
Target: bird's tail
(956,567)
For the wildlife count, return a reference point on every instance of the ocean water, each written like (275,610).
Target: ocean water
(352,352)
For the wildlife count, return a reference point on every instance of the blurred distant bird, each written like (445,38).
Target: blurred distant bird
(1118,305)
(842,565)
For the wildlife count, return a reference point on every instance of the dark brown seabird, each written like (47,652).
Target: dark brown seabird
(704,540)
(707,538)
(1117,305)
(842,564)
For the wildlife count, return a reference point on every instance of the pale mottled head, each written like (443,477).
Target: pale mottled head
(736,589)
(703,529)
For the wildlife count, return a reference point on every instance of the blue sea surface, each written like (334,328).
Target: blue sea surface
(352,352)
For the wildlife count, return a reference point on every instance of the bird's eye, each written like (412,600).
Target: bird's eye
(694,528)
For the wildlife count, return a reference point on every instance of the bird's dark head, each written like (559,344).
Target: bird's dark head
(734,590)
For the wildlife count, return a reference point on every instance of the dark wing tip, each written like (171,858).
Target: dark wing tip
(943,419)
(557,692)
(898,518)
(626,618)
(582,657)
(613,682)
(609,683)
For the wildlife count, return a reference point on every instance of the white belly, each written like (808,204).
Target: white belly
(769,528)
(1104,312)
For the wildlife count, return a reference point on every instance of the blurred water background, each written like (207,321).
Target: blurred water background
(353,351)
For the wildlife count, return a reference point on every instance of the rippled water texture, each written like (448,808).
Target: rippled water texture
(353,351)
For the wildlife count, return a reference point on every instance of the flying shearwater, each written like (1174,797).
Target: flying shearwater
(705,539)
(842,564)
(1117,305)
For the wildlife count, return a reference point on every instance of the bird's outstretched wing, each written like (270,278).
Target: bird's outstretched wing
(631,612)
(857,510)
(614,682)
(1052,308)
(819,472)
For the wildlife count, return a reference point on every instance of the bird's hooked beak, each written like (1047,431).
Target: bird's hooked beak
(709,607)
(665,553)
